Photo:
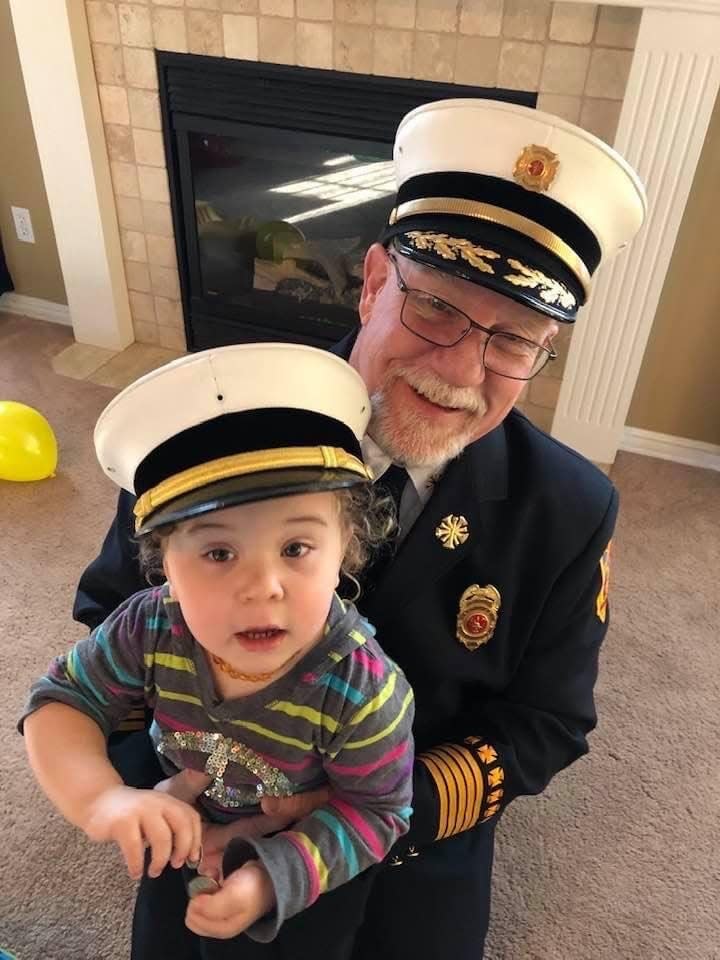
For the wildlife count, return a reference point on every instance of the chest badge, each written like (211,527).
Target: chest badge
(452,531)
(477,616)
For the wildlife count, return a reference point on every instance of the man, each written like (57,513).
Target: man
(495,600)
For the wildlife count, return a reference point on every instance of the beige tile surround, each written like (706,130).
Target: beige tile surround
(81,361)
(576,55)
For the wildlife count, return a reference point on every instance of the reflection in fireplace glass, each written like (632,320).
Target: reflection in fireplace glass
(293,217)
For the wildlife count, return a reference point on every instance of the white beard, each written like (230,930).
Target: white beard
(407,436)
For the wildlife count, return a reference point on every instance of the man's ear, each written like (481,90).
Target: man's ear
(375,274)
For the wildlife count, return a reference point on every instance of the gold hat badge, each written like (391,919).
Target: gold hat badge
(536,167)
(477,616)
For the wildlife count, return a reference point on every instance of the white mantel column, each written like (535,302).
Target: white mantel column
(668,102)
(55,56)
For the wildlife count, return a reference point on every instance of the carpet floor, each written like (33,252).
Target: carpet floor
(618,860)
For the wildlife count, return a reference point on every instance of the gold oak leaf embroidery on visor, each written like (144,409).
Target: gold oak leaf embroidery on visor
(450,248)
(552,291)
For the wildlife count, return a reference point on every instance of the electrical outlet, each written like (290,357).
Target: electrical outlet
(23,224)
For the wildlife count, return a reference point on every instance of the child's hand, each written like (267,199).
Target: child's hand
(245,896)
(135,819)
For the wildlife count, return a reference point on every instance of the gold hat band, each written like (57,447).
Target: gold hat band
(505,218)
(240,465)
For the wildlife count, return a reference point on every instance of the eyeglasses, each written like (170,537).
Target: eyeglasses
(434,320)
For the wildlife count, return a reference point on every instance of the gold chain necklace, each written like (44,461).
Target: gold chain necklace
(238,675)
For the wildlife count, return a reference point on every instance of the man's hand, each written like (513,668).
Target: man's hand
(246,895)
(135,819)
(216,837)
(186,785)
(278,813)
(295,807)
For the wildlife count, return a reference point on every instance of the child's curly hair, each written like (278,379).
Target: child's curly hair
(371,518)
(367,514)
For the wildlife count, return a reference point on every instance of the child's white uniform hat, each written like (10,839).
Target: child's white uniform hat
(234,424)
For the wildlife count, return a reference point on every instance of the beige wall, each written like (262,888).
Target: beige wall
(35,268)
(678,390)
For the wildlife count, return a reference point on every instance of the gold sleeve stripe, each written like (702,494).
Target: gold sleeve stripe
(442,789)
(473,785)
(476,788)
(456,799)
(461,787)
(468,779)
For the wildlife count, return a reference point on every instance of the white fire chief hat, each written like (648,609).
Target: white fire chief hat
(511,198)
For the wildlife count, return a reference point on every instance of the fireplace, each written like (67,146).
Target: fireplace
(280,178)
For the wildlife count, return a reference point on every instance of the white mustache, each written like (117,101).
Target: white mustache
(437,391)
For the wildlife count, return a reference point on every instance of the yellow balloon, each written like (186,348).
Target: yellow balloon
(28,448)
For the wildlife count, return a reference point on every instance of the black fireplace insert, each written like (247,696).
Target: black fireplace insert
(280,179)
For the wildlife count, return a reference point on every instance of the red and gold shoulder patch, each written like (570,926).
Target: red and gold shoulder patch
(601,602)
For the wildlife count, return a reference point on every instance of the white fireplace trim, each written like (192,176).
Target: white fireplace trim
(59,79)
(668,102)
(678,6)
(678,43)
